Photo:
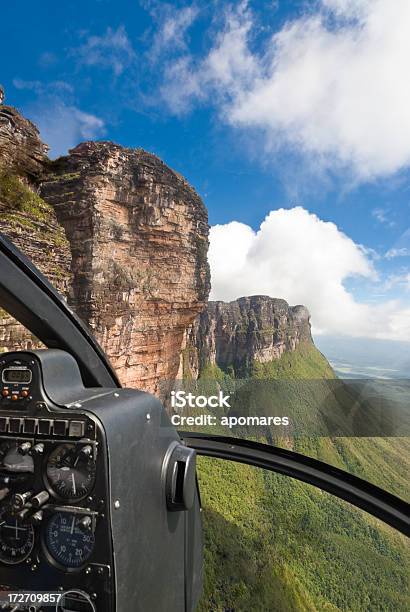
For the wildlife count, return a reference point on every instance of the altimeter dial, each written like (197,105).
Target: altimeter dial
(69,539)
(71,470)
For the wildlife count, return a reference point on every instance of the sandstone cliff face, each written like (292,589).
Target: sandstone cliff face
(139,239)
(120,234)
(252,328)
(24,217)
(21,150)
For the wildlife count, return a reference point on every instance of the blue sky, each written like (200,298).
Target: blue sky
(265,107)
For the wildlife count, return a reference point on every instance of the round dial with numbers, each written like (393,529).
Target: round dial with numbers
(16,538)
(68,541)
(70,471)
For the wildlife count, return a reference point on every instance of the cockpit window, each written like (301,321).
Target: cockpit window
(273,543)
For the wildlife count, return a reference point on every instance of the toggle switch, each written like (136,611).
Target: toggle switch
(85,523)
(23,515)
(19,500)
(37,517)
(37,449)
(24,448)
(86,451)
(40,499)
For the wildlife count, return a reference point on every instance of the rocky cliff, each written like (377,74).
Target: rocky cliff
(139,239)
(25,217)
(123,236)
(252,329)
(125,239)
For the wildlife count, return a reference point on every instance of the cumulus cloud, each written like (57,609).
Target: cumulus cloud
(331,84)
(297,256)
(112,50)
(64,126)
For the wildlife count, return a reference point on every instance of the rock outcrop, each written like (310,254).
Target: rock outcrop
(21,149)
(233,335)
(139,239)
(119,233)
(24,217)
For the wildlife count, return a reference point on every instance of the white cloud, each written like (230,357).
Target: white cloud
(296,256)
(332,84)
(383,216)
(41,88)
(63,127)
(401,280)
(61,123)
(401,252)
(47,59)
(172,30)
(112,50)
(226,70)
(351,9)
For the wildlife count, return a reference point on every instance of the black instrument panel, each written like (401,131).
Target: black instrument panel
(54,503)
(84,474)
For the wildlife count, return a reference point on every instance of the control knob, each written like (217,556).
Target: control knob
(24,448)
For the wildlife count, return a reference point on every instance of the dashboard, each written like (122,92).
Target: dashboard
(99,508)
(54,527)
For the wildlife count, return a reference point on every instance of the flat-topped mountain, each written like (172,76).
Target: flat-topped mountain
(237,335)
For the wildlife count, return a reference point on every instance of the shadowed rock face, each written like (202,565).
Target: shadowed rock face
(25,218)
(252,328)
(139,239)
(21,149)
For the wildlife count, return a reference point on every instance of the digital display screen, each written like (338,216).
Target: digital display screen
(16,376)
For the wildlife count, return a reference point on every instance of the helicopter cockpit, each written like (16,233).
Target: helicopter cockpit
(99,498)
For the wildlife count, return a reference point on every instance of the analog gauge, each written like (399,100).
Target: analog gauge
(69,539)
(75,600)
(16,538)
(71,470)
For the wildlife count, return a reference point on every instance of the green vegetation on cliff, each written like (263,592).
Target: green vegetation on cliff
(305,362)
(273,543)
(31,224)
(17,198)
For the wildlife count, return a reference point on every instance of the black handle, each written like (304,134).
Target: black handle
(180,477)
